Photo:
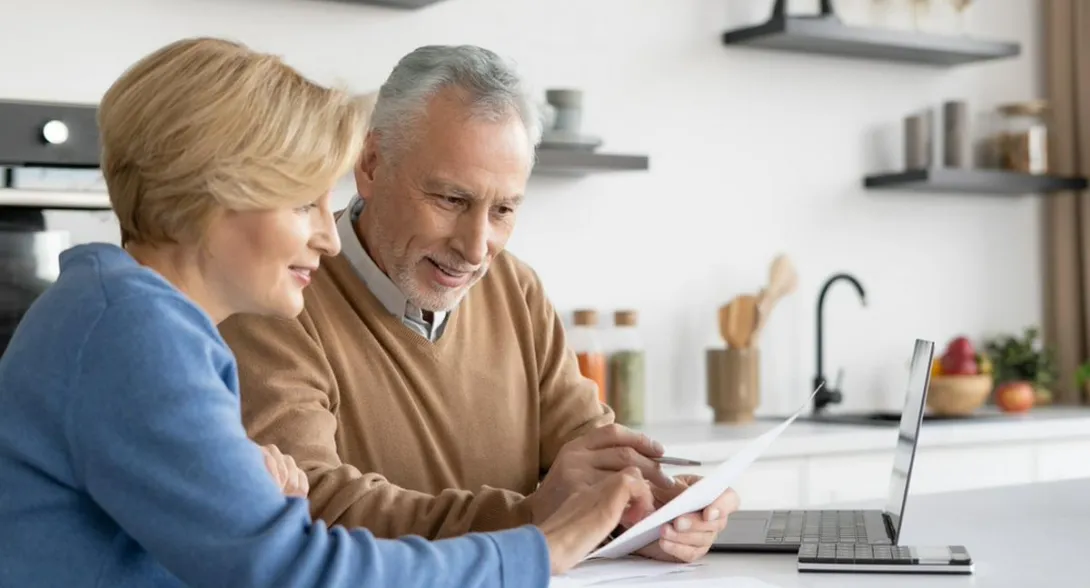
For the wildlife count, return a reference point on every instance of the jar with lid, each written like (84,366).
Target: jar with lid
(1023,137)
(586,341)
(627,381)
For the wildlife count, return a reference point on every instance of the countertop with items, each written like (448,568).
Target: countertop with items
(711,442)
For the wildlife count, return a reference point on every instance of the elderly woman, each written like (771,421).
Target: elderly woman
(123,461)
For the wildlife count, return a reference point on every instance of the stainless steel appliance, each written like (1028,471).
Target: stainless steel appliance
(38,135)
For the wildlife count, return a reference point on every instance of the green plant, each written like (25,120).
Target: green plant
(1082,375)
(1023,359)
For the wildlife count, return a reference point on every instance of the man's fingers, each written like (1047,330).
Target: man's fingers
(301,485)
(666,494)
(270,464)
(727,503)
(618,436)
(619,458)
(681,551)
(690,527)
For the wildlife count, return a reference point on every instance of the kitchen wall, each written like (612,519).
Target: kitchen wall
(752,153)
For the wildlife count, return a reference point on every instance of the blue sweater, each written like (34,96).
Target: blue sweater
(123,460)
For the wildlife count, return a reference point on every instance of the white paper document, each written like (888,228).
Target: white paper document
(682,582)
(601,571)
(696,497)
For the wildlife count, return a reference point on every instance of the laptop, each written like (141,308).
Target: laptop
(786,530)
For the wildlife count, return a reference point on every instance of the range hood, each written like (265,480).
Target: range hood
(48,135)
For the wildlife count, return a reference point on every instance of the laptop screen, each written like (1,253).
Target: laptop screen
(919,376)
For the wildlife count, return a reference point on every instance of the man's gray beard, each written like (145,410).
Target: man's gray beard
(428,301)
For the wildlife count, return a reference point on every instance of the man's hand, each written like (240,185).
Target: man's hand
(291,480)
(588,459)
(690,536)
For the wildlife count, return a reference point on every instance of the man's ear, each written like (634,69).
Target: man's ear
(366,167)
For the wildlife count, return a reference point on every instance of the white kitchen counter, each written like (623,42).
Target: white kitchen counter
(710,442)
(1019,537)
(813,464)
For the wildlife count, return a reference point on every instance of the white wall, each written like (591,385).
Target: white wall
(752,153)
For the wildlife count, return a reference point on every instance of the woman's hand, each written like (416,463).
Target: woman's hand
(291,480)
(588,516)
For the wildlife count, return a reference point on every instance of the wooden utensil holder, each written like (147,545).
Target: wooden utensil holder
(734,383)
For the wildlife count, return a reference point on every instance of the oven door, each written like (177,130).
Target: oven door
(29,263)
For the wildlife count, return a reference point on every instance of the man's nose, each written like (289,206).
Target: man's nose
(472,241)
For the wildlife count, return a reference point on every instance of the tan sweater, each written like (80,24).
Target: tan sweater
(405,436)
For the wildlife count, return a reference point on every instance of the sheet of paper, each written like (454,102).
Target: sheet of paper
(611,570)
(720,582)
(696,497)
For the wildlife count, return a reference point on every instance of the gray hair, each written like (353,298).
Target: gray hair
(495,91)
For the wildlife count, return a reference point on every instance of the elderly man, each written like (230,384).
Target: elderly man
(428,386)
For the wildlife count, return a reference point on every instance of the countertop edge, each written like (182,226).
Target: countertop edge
(846,439)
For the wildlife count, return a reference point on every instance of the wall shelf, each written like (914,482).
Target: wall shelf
(576,162)
(826,34)
(54,199)
(972,181)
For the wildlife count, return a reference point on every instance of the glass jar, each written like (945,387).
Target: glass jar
(587,344)
(627,377)
(1023,137)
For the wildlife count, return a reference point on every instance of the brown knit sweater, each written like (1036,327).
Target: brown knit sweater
(405,436)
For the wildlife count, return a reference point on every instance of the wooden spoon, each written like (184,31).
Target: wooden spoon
(724,324)
(782,280)
(737,320)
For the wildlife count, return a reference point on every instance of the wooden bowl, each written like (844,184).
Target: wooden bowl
(958,395)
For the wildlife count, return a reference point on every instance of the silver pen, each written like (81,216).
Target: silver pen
(679,461)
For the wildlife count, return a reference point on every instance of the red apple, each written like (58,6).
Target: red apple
(1015,396)
(959,359)
(960,347)
(955,365)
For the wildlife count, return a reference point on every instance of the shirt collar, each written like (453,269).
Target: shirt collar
(376,280)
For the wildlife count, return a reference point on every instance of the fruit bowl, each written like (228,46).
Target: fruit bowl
(958,395)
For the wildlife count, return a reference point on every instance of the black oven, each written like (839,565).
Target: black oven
(36,136)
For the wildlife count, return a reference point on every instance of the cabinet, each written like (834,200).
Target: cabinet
(820,478)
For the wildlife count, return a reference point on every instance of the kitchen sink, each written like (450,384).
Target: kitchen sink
(880,418)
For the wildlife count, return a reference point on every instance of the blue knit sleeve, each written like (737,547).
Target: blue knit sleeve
(156,438)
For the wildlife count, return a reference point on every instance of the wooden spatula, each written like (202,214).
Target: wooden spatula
(782,280)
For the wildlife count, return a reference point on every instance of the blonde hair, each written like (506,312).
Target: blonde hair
(202,125)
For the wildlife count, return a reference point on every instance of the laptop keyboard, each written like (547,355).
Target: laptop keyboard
(823,526)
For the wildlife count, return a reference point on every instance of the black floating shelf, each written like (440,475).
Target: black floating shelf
(829,36)
(576,162)
(409,4)
(975,181)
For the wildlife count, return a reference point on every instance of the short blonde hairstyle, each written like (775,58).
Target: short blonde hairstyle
(202,125)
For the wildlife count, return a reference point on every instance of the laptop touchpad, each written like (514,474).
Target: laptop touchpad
(744,529)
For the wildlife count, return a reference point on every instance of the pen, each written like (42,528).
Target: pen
(680,461)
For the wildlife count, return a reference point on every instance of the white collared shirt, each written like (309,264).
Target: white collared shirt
(378,282)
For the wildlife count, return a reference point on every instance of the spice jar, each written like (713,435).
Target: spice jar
(587,344)
(626,369)
(1023,140)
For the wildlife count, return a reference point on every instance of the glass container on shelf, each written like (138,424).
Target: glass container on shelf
(586,341)
(1022,141)
(627,369)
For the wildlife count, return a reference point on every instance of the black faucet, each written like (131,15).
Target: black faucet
(829,395)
